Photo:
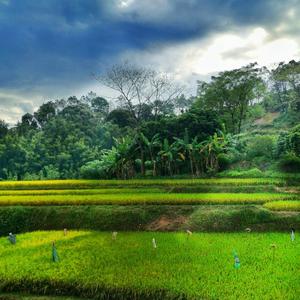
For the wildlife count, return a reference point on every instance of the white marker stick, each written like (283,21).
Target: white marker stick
(114,235)
(154,243)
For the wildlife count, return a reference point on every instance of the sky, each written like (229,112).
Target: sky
(50,48)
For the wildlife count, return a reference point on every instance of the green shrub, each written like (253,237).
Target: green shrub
(224,161)
(294,140)
(290,163)
(256,111)
(92,170)
(251,173)
(261,145)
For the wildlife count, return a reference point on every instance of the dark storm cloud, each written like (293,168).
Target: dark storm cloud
(55,45)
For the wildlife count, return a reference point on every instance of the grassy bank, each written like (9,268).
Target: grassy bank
(200,266)
(207,218)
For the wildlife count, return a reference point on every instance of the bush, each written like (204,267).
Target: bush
(294,140)
(290,163)
(252,173)
(256,111)
(224,161)
(261,145)
(288,142)
(91,170)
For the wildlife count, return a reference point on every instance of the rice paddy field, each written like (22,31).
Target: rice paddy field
(157,192)
(200,266)
(79,184)
(197,224)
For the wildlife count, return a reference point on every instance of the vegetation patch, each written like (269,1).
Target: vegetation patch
(283,205)
(92,264)
(205,218)
(148,198)
(107,191)
(88,184)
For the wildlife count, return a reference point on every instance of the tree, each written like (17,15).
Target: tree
(151,145)
(231,92)
(286,85)
(211,148)
(198,122)
(45,112)
(182,103)
(100,105)
(136,87)
(167,156)
(121,117)
(3,129)
(186,149)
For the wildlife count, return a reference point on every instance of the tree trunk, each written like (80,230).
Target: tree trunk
(142,161)
(191,163)
(154,167)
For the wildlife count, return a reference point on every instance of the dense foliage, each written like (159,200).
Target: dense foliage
(152,129)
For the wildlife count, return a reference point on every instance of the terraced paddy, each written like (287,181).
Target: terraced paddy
(197,266)
(84,184)
(153,192)
(144,198)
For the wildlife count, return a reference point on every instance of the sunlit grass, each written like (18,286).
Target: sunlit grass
(199,266)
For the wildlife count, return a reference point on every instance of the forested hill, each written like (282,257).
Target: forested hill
(243,122)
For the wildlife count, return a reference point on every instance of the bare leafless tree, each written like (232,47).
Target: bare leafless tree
(138,86)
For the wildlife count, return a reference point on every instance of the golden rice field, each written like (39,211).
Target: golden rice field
(144,199)
(283,205)
(80,184)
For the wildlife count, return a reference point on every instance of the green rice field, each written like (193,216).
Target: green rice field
(197,266)
(200,266)
(144,198)
(283,205)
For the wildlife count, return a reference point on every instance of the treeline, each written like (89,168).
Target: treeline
(153,129)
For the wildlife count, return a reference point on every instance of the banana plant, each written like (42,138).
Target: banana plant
(167,155)
(212,147)
(151,145)
(187,149)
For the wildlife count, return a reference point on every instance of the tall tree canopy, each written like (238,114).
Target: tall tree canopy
(231,92)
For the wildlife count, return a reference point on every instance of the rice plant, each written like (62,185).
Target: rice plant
(200,267)
(145,198)
(78,184)
(283,205)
